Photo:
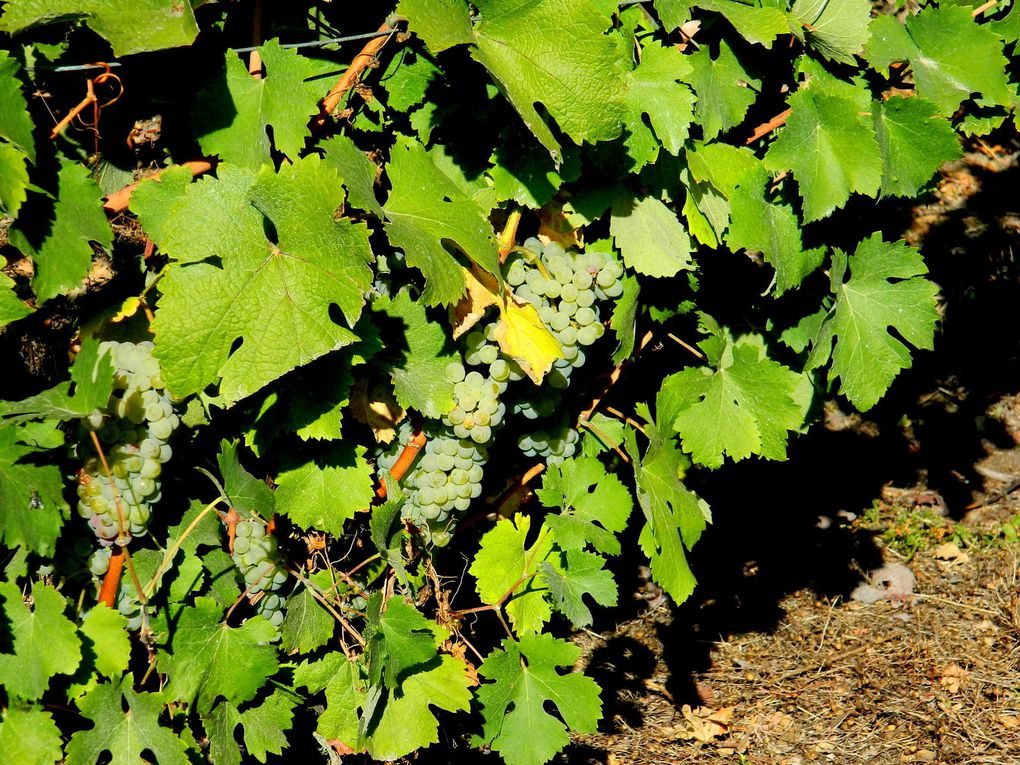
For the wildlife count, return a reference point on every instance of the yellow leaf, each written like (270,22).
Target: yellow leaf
(127,309)
(554,227)
(482,292)
(523,337)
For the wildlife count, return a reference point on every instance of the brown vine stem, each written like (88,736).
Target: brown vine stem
(984,7)
(404,461)
(119,200)
(767,127)
(353,73)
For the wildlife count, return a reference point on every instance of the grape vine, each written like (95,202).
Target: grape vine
(417,284)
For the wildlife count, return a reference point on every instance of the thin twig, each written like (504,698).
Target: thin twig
(172,550)
(767,127)
(119,200)
(353,73)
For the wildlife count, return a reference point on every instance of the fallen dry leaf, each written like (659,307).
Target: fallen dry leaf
(706,724)
(949,551)
(953,676)
(1009,721)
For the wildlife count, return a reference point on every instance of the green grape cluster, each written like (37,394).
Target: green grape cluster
(258,558)
(553,444)
(134,428)
(477,410)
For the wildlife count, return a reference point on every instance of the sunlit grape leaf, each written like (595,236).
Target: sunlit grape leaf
(234,113)
(755,21)
(651,239)
(580,573)
(419,367)
(914,143)
(106,631)
(724,88)
(323,496)
(406,722)
(950,54)
(357,171)
(13,183)
(43,641)
(57,235)
(231,283)
(28,736)
(595,505)
(885,290)
(440,23)
(307,625)
(134,27)
(345,689)
(15,121)
(124,736)
(831,149)
(426,210)
(837,29)
(525,686)
(523,336)
(399,639)
(506,566)
(741,404)
(206,659)
(247,494)
(265,727)
(655,90)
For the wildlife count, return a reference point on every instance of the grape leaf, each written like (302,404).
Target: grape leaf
(580,573)
(440,23)
(125,736)
(232,114)
(951,55)
(13,187)
(595,505)
(357,171)
(58,241)
(506,566)
(528,176)
(345,689)
(28,736)
(207,659)
(265,728)
(831,149)
(624,319)
(31,497)
(419,375)
(106,630)
(399,639)
(655,88)
(755,22)
(134,27)
(247,494)
(425,209)
(523,336)
(650,238)
(323,496)
(743,405)
(724,88)
(837,29)
(306,626)
(232,283)
(45,642)
(406,722)
(15,121)
(886,290)
(675,515)
(524,680)
(913,142)
(407,77)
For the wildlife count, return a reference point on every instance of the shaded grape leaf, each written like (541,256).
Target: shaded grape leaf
(743,403)
(885,290)
(656,89)
(13,188)
(399,639)
(651,239)
(233,113)
(247,494)
(951,55)
(134,27)
(206,659)
(837,29)
(419,375)
(31,496)
(595,505)
(306,626)
(357,171)
(425,210)
(528,175)
(831,149)
(28,736)
(675,515)
(44,642)
(914,143)
(15,121)
(506,566)
(406,722)
(125,736)
(755,22)
(58,241)
(580,573)
(624,319)
(231,283)
(322,497)
(724,88)
(525,680)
